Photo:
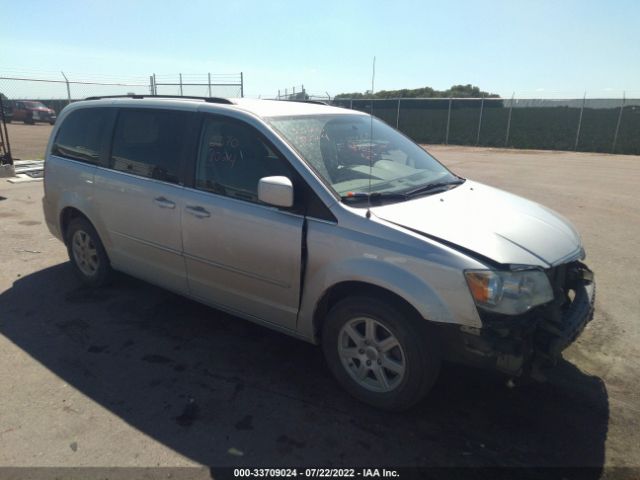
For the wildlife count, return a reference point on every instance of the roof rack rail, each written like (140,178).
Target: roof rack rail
(206,99)
(317,102)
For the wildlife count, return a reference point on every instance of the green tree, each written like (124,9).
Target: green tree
(458,91)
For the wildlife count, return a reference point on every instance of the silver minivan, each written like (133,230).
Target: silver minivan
(322,223)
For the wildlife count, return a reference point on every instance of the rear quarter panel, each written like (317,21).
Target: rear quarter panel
(68,183)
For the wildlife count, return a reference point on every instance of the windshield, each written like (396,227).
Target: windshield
(34,105)
(356,156)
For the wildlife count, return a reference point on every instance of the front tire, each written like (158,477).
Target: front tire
(381,353)
(87,254)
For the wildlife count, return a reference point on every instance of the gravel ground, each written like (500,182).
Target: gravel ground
(132,375)
(28,142)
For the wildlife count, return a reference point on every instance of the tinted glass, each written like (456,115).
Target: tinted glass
(233,158)
(83,134)
(150,143)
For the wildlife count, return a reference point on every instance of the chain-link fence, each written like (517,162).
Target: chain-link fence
(199,85)
(594,125)
(301,94)
(57,92)
(590,125)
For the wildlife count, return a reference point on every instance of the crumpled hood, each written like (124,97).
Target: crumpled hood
(493,223)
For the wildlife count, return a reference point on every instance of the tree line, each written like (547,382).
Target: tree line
(456,91)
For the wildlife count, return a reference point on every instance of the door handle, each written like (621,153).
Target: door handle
(164,203)
(197,211)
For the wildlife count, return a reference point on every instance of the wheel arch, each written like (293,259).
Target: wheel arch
(350,288)
(71,212)
(67,214)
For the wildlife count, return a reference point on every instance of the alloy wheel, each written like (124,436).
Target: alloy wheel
(85,253)
(371,354)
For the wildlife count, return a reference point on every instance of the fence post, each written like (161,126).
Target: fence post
(480,121)
(150,84)
(155,85)
(181,94)
(66,80)
(209,82)
(615,136)
(506,138)
(241,85)
(584,99)
(446,137)
(4,138)
(398,116)
(351,103)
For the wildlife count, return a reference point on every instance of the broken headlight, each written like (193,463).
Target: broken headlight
(509,292)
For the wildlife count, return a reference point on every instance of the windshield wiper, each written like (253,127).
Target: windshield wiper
(375,197)
(434,187)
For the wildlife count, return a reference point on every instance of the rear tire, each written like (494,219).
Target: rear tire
(381,353)
(87,254)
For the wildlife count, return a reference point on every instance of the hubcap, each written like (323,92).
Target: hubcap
(371,354)
(85,253)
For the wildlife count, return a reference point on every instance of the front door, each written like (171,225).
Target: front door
(240,254)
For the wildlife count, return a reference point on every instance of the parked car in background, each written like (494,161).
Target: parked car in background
(31,112)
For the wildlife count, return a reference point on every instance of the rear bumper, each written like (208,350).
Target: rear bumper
(524,344)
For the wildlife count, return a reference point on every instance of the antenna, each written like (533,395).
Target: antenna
(373,80)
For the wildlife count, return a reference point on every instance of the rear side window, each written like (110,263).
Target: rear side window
(83,135)
(150,143)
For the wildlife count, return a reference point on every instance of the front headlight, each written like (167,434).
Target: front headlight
(509,292)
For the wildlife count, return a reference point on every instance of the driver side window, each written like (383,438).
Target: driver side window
(233,157)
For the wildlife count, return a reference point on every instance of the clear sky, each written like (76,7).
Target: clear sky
(536,48)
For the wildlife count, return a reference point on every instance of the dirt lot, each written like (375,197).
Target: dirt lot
(28,142)
(132,375)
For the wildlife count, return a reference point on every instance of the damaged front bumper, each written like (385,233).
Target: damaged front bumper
(526,343)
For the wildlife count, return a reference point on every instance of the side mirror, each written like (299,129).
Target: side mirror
(276,191)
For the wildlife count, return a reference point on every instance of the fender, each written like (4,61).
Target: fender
(374,272)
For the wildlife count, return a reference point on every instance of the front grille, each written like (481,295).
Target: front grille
(557,278)
(562,279)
